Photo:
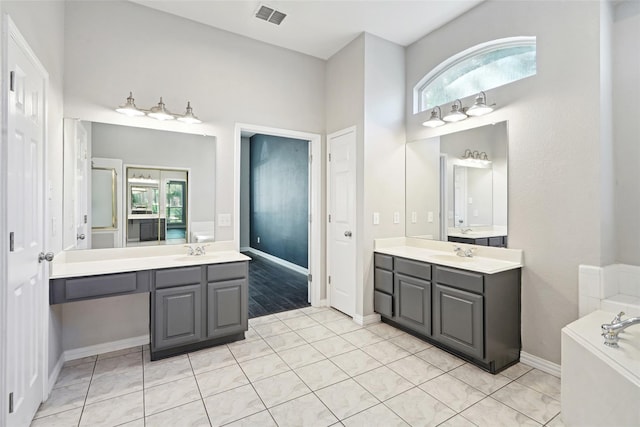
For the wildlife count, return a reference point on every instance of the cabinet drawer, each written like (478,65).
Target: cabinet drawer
(229,271)
(85,287)
(472,282)
(496,242)
(383,304)
(383,261)
(413,268)
(383,280)
(91,287)
(178,277)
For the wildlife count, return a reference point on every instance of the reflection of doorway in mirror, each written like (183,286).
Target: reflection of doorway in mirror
(158,202)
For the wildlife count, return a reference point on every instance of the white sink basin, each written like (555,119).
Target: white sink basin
(450,258)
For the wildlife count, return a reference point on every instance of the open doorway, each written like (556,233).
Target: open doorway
(278,198)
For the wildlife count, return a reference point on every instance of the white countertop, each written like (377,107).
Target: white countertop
(92,262)
(486,260)
(624,359)
(476,234)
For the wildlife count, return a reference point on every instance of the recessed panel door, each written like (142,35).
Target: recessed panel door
(342,223)
(26,289)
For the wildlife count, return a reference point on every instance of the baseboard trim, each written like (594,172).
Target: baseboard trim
(366,320)
(280,261)
(540,363)
(53,375)
(92,350)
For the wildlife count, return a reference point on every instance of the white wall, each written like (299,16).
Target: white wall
(384,150)
(345,108)
(115,47)
(365,83)
(42,25)
(626,131)
(555,167)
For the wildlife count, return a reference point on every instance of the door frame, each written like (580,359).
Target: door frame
(10,30)
(315,198)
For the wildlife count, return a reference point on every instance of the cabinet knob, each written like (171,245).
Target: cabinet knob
(347,233)
(81,236)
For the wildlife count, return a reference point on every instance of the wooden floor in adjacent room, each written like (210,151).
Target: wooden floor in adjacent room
(274,288)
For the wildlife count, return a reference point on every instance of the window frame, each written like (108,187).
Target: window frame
(419,104)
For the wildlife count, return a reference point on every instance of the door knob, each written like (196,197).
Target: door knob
(347,233)
(45,257)
(81,236)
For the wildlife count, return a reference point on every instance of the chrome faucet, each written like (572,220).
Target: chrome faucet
(465,230)
(611,330)
(465,253)
(196,251)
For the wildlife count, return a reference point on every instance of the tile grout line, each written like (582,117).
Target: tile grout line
(195,379)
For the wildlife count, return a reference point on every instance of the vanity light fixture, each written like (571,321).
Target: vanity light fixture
(159,112)
(129,108)
(480,107)
(435,120)
(475,159)
(457,112)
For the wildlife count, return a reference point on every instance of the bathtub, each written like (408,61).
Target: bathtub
(600,384)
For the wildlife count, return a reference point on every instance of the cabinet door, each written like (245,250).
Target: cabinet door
(178,316)
(413,303)
(227,307)
(459,320)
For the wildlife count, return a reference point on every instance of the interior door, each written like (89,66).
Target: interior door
(81,186)
(342,222)
(26,289)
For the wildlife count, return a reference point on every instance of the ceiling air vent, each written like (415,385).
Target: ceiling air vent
(269,14)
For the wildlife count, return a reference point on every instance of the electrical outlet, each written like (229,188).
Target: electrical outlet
(258,239)
(414,217)
(396,217)
(224,220)
(376,218)
(430,216)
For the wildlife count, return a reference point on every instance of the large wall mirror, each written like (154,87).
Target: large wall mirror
(456,186)
(128,186)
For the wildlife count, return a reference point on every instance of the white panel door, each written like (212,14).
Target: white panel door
(81,216)
(26,289)
(342,210)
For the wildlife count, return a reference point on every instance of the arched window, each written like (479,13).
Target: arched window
(482,67)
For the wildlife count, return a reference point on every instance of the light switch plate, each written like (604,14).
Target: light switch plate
(224,220)
(430,216)
(396,217)
(376,218)
(414,217)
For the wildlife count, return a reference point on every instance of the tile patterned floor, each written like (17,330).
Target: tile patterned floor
(306,367)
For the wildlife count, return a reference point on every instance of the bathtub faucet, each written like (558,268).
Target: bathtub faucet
(611,330)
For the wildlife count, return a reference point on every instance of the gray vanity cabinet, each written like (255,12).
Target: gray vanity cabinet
(178,316)
(228,299)
(177,307)
(413,303)
(458,320)
(197,307)
(473,315)
(383,284)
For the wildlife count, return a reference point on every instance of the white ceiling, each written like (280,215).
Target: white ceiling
(320,28)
